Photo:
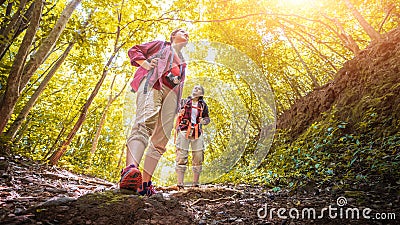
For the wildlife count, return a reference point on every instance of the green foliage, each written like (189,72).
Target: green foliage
(326,153)
(266,26)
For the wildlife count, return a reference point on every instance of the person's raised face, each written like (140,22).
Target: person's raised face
(197,91)
(180,37)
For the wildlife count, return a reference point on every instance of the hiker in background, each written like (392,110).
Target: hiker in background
(193,114)
(158,84)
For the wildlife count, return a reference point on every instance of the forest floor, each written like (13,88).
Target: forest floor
(31,193)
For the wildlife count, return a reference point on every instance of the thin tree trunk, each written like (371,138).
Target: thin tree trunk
(60,134)
(312,77)
(102,121)
(292,85)
(389,11)
(6,32)
(22,130)
(10,33)
(120,157)
(13,91)
(19,77)
(60,152)
(9,8)
(110,101)
(99,128)
(63,130)
(39,57)
(28,106)
(311,46)
(372,33)
(347,39)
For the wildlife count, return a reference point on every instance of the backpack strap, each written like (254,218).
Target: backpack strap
(196,126)
(196,130)
(151,72)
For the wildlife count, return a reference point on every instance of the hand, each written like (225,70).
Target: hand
(202,121)
(150,65)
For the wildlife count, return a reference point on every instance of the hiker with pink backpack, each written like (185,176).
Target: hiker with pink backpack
(158,84)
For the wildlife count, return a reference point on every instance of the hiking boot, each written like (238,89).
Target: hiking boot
(146,189)
(131,178)
(180,187)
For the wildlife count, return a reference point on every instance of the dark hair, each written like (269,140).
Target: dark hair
(173,33)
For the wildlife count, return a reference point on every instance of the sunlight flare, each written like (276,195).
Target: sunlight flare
(298,3)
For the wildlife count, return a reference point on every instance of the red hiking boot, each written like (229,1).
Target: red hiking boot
(131,178)
(147,189)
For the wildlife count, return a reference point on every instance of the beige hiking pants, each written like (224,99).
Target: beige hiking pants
(155,114)
(182,152)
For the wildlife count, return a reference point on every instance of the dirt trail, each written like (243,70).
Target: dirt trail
(37,194)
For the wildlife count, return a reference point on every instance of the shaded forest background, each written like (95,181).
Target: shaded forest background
(64,74)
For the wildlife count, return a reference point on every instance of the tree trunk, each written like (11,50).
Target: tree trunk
(110,101)
(294,87)
(11,132)
(347,40)
(386,17)
(60,134)
(312,77)
(18,78)
(99,128)
(60,152)
(120,158)
(22,130)
(39,57)
(372,33)
(7,29)
(13,91)
(17,24)
(9,8)
(310,45)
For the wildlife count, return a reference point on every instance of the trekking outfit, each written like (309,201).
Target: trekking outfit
(157,103)
(189,132)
